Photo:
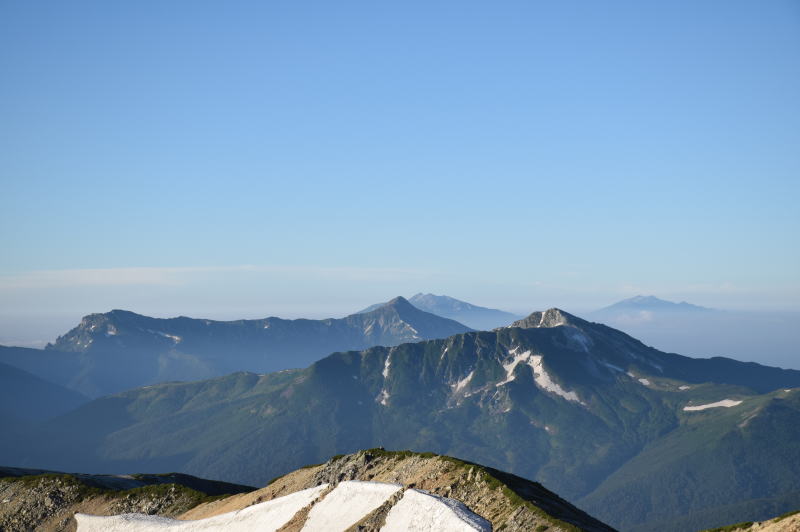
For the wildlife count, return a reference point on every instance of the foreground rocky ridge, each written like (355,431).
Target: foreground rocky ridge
(34,500)
(789,522)
(508,502)
(413,484)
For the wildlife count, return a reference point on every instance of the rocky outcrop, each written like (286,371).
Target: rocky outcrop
(48,502)
(510,503)
(786,523)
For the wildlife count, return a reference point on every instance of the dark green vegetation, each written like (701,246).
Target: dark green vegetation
(580,419)
(119,350)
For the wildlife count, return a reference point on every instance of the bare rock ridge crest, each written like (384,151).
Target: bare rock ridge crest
(366,491)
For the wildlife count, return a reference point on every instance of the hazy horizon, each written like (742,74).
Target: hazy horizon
(267,159)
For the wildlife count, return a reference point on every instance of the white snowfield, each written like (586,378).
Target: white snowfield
(264,517)
(540,376)
(424,512)
(727,403)
(340,509)
(348,504)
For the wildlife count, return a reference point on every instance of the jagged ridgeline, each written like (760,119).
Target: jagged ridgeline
(118,350)
(642,439)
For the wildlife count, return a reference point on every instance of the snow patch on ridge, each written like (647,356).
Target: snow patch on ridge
(424,512)
(727,403)
(266,516)
(347,504)
(646,382)
(540,375)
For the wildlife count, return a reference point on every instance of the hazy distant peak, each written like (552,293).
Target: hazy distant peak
(553,317)
(399,304)
(399,301)
(652,304)
(432,301)
(474,316)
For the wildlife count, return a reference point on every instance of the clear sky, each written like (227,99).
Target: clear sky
(308,158)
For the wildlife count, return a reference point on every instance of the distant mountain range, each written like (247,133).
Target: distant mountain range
(478,318)
(642,439)
(118,350)
(768,337)
(644,308)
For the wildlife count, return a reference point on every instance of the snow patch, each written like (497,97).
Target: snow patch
(266,516)
(645,382)
(383,398)
(172,337)
(727,403)
(414,336)
(540,375)
(522,357)
(424,512)
(543,379)
(463,382)
(612,366)
(684,387)
(444,352)
(347,504)
(386,365)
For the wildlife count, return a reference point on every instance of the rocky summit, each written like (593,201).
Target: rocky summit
(376,490)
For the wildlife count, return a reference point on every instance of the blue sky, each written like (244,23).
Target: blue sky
(309,158)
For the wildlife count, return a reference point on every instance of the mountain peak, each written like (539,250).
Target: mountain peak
(552,317)
(652,304)
(645,299)
(399,300)
(475,317)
